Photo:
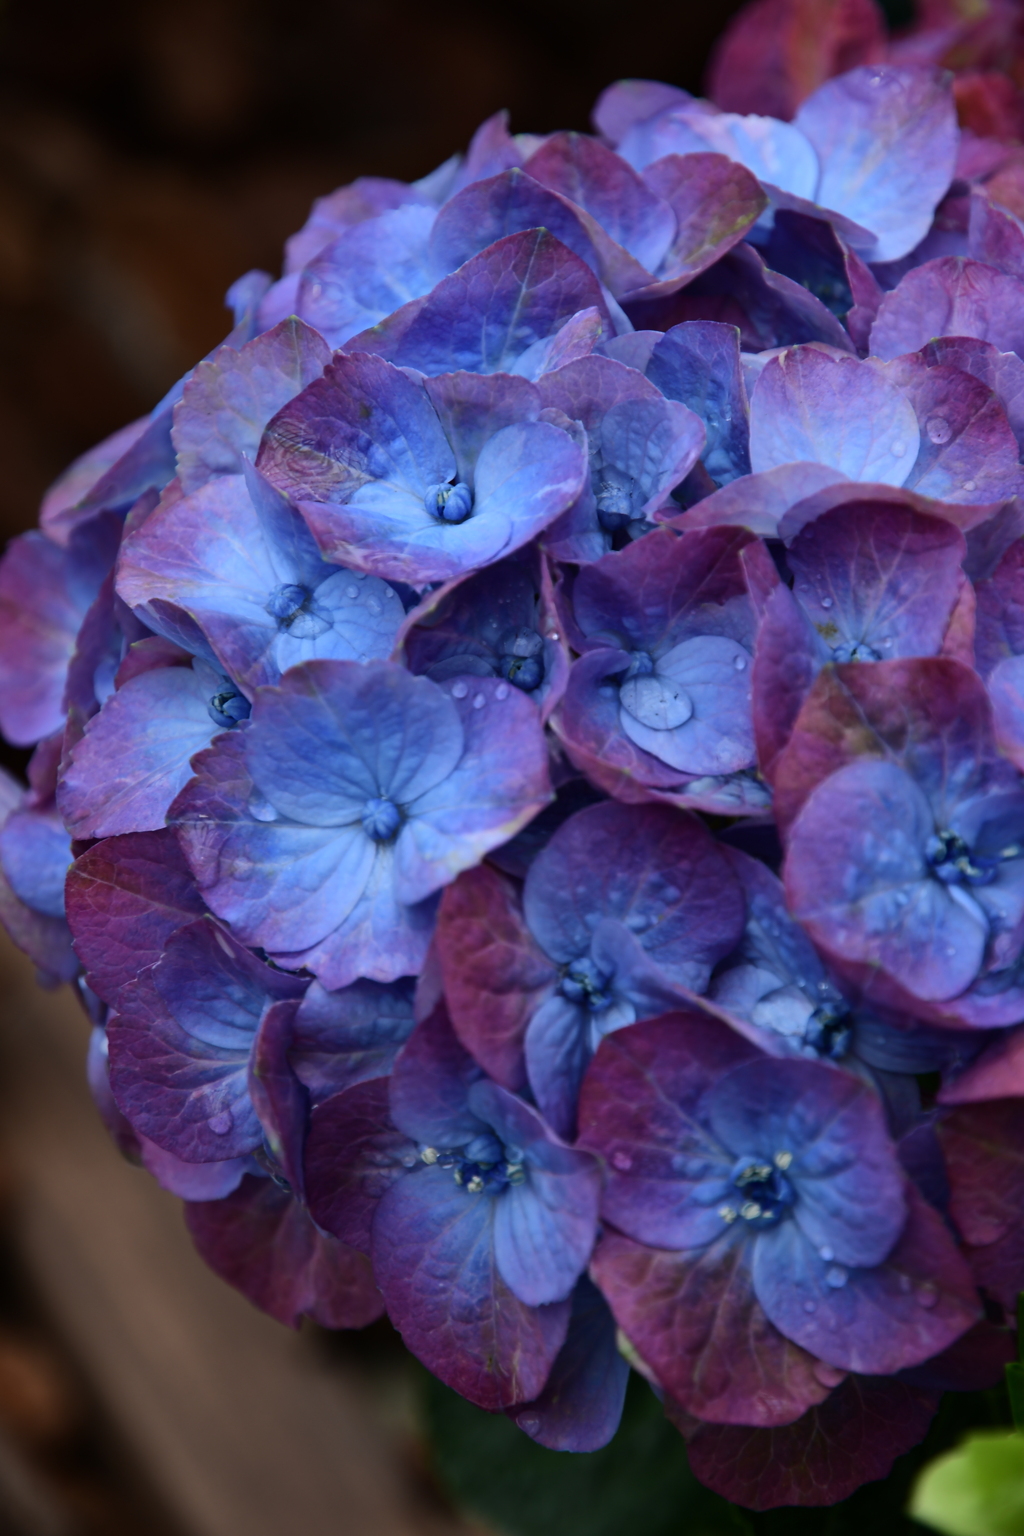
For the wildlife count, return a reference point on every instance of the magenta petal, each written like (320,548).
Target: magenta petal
(984,1149)
(853,1437)
(125,897)
(353,1156)
(232,395)
(951,296)
(581,1405)
(495,974)
(261,1240)
(433,1257)
(694,1320)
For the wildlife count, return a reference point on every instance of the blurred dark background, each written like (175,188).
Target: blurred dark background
(151,152)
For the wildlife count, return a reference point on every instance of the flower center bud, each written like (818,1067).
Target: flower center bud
(381,820)
(763,1193)
(858,650)
(585,983)
(450,503)
(522,660)
(228,706)
(484,1166)
(953,863)
(827,1031)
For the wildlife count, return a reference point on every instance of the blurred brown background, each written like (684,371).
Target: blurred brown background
(151,152)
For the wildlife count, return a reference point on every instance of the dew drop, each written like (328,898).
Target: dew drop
(740,664)
(459,690)
(479,701)
(810,1306)
(351,591)
(826,1254)
(222,1123)
(927,1294)
(622,1160)
(969,485)
(826,602)
(553,634)
(501,692)
(837,1276)
(938,429)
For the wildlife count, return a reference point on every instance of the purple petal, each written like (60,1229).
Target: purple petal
(698,363)
(136,754)
(371,270)
(45,594)
(495,974)
(812,406)
(353,1156)
(430,1085)
(626,102)
(856,877)
(608,189)
(886,138)
(660,873)
(484,316)
(509,204)
(433,1258)
(581,1405)
(125,897)
(951,296)
(758,502)
(260,1240)
(853,1437)
(343,1038)
(544,1228)
(231,396)
(843,1168)
(874,1321)
(638,1109)
(35,854)
(968,452)
(694,1320)
(984,1149)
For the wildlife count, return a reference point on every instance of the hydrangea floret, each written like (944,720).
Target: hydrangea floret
(527,759)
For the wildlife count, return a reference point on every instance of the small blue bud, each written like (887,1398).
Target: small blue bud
(451,503)
(381,820)
(297,612)
(228,707)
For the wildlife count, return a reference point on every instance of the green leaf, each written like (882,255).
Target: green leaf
(976,1490)
(640,1482)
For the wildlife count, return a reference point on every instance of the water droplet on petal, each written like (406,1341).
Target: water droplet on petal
(479,701)
(459,690)
(826,602)
(220,1124)
(740,664)
(810,1306)
(351,591)
(938,429)
(969,485)
(501,692)
(825,1253)
(622,1160)
(837,1276)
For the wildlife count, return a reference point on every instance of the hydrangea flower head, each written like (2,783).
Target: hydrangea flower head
(527,758)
